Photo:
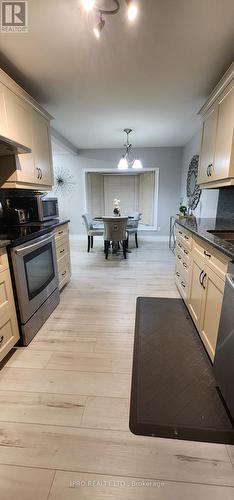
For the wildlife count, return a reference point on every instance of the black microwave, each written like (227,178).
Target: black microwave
(47,207)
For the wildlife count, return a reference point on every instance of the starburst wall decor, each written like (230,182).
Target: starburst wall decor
(64,181)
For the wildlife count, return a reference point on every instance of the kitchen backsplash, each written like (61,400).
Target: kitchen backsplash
(226,203)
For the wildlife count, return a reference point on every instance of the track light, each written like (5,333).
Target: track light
(98,29)
(88,4)
(132,10)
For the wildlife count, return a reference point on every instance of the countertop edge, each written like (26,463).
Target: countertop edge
(205,238)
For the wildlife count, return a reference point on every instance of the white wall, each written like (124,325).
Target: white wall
(209,198)
(169,161)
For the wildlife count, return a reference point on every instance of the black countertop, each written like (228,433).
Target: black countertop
(16,235)
(201,228)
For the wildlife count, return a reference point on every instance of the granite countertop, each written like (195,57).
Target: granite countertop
(201,228)
(16,235)
(4,243)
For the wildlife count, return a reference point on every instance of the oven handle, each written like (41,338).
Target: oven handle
(230,281)
(33,245)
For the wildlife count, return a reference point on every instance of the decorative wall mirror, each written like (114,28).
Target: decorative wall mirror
(193,190)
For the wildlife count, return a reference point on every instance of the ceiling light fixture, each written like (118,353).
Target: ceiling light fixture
(132,10)
(89,5)
(126,162)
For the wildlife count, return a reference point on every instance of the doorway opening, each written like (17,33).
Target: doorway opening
(137,192)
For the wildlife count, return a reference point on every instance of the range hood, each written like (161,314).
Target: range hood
(9,147)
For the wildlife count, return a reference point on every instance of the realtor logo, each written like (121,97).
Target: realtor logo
(14,17)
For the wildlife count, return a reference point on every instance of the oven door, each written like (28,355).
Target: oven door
(35,273)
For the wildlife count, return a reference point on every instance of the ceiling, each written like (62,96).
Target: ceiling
(152,76)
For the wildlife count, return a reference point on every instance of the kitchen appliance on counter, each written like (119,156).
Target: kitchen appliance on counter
(224,355)
(46,207)
(23,207)
(34,268)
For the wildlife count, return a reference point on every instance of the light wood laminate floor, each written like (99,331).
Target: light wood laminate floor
(64,400)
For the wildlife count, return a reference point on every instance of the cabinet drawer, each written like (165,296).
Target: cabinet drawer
(217,261)
(3,260)
(181,283)
(185,252)
(184,237)
(64,270)
(63,248)
(60,232)
(182,266)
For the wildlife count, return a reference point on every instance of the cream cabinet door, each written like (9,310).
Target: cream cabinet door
(224,137)
(9,333)
(208,146)
(196,288)
(42,150)
(3,115)
(211,310)
(18,119)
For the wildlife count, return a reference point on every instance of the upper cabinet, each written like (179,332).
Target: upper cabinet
(24,121)
(3,116)
(216,167)
(42,151)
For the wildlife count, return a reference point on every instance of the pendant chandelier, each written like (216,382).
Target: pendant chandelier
(94,5)
(126,162)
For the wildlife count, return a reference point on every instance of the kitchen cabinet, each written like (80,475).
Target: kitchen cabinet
(62,245)
(3,116)
(19,120)
(211,310)
(42,151)
(9,332)
(200,274)
(24,121)
(208,145)
(196,288)
(216,166)
(224,150)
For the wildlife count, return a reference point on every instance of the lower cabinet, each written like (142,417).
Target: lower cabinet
(196,288)
(63,254)
(9,332)
(206,271)
(213,290)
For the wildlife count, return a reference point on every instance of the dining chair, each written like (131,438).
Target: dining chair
(132,227)
(115,232)
(91,230)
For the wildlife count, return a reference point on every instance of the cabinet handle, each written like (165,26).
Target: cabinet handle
(200,277)
(179,257)
(180,232)
(1,339)
(186,238)
(203,280)
(207,254)
(183,284)
(63,250)
(179,245)
(40,173)
(208,171)
(185,265)
(178,274)
(186,252)
(60,232)
(63,274)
